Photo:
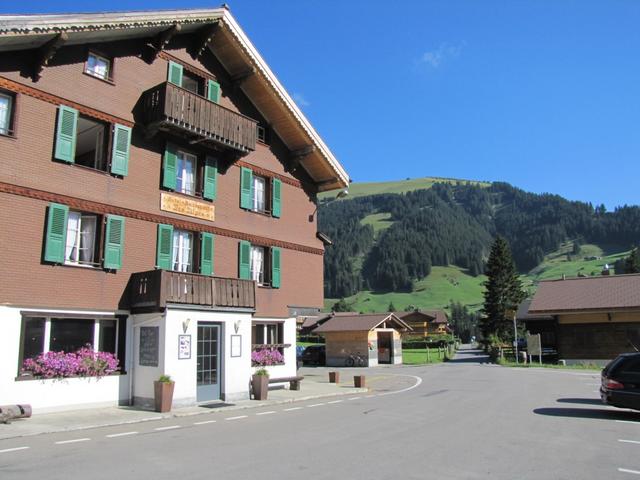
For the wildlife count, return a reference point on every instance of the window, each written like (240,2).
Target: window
(258,194)
(82,247)
(180,251)
(6,113)
(260,264)
(186,173)
(51,334)
(257,265)
(267,333)
(84,140)
(98,66)
(83,238)
(193,82)
(262,134)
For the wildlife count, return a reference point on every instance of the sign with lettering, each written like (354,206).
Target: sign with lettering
(149,346)
(186,206)
(184,347)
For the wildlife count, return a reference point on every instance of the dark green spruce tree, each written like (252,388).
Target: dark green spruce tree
(503,291)
(632,262)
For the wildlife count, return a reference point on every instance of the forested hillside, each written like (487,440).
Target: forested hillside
(388,242)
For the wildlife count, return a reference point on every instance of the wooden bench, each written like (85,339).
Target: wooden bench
(294,382)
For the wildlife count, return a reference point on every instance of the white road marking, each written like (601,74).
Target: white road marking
(355,398)
(266,413)
(417,384)
(75,440)
(291,409)
(236,418)
(14,449)
(630,441)
(124,434)
(628,421)
(205,422)
(170,427)
(335,401)
(626,470)
(315,405)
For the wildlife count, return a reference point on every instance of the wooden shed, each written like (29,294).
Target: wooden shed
(364,340)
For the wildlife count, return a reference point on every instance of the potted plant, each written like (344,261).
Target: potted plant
(163,390)
(260,384)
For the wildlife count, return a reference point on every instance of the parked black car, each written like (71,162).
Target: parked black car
(314,355)
(620,385)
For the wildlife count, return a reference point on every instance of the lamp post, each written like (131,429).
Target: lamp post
(512,314)
(341,194)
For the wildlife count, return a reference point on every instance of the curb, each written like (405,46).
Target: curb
(182,414)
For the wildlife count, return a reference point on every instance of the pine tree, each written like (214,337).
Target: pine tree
(340,306)
(391,307)
(632,262)
(503,291)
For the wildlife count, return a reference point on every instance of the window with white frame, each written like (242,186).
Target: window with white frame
(259,194)
(50,334)
(257,264)
(98,66)
(6,113)
(182,251)
(268,335)
(186,173)
(82,246)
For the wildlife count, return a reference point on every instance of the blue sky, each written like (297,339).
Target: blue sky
(543,94)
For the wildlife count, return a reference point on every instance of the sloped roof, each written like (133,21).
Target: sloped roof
(230,45)
(363,322)
(433,316)
(602,293)
(523,313)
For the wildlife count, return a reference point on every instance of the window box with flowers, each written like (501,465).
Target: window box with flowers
(84,362)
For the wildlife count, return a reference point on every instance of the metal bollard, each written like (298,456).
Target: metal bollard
(9,412)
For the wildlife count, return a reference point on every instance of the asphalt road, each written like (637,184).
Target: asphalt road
(460,420)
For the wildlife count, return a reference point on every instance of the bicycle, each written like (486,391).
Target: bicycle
(355,361)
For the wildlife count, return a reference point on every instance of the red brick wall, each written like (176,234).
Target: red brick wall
(27,161)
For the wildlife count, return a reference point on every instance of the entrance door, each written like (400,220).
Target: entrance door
(385,344)
(208,362)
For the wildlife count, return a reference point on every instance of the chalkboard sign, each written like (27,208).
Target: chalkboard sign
(149,340)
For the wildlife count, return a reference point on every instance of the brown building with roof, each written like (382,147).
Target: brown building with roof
(425,323)
(158,187)
(363,339)
(596,318)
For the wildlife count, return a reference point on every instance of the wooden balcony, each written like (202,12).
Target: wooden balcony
(172,108)
(153,290)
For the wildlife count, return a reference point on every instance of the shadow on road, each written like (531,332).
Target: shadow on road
(597,413)
(582,401)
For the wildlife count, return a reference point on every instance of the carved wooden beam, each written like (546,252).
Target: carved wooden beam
(46,52)
(204,37)
(238,79)
(163,39)
(302,153)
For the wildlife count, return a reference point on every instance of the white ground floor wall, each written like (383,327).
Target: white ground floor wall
(175,330)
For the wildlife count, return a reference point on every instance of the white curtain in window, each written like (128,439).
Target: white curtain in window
(97,66)
(257,264)
(5,113)
(181,251)
(186,173)
(87,238)
(258,194)
(73,228)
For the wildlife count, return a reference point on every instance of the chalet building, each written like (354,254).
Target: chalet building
(158,190)
(589,319)
(425,323)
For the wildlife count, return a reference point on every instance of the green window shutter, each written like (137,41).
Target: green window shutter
(275,267)
(121,147)
(66,134)
(56,239)
(210,178)
(276,203)
(169,167)
(207,245)
(114,242)
(213,91)
(246,188)
(164,250)
(244,260)
(174,74)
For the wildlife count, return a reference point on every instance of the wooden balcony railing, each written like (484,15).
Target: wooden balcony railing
(153,290)
(169,107)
